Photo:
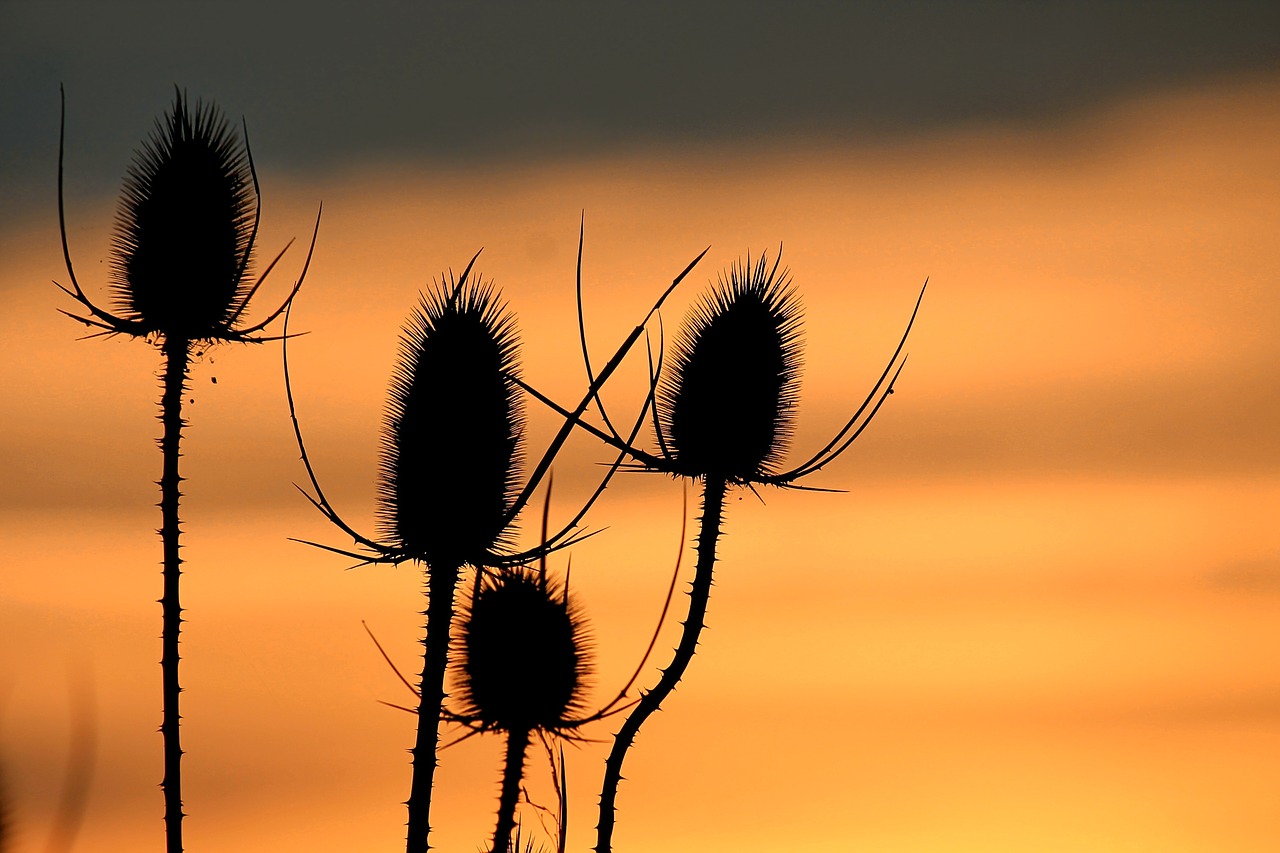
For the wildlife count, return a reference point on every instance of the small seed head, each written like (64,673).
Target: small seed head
(525,660)
(725,406)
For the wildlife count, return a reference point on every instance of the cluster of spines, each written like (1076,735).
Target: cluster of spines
(185,226)
(451,449)
(725,406)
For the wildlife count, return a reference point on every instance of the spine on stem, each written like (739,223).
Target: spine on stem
(177,351)
(712,515)
(435,661)
(512,774)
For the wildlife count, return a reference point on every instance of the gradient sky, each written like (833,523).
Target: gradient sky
(1043,615)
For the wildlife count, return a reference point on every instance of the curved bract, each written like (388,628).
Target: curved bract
(725,408)
(185,226)
(451,448)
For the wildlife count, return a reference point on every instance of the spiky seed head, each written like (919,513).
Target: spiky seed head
(184,228)
(451,446)
(725,405)
(525,658)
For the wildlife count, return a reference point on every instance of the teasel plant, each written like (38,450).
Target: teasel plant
(724,416)
(448,491)
(185,234)
(523,671)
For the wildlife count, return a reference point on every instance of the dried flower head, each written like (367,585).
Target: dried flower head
(451,448)
(525,662)
(725,407)
(184,230)
(184,236)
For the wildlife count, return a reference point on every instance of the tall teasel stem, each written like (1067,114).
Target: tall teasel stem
(713,493)
(184,241)
(177,353)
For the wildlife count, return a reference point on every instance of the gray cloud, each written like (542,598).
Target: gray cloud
(324,85)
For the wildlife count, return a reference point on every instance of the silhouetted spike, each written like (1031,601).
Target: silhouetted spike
(662,617)
(244,303)
(387,658)
(320,502)
(806,466)
(655,375)
(582,330)
(524,669)
(526,660)
(746,373)
(257,218)
(302,276)
(574,418)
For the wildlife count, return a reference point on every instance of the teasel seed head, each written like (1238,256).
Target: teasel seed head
(451,448)
(525,661)
(185,226)
(725,406)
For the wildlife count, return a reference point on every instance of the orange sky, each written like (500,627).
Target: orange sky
(1042,617)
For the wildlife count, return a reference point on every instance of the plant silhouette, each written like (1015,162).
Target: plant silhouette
(524,669)
(448,482)
(447,496)
(182,250)
(723,416)
(526,660)
(524,652)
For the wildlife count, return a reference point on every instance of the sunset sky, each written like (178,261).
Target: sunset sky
(1043,613)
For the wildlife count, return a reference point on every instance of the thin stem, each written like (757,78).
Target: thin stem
(177,353)
(441,582)
(512,774)
(713,493)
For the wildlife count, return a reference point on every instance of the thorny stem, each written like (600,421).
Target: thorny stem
(177,353)
(441,582)
(512,773)
(713,493)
